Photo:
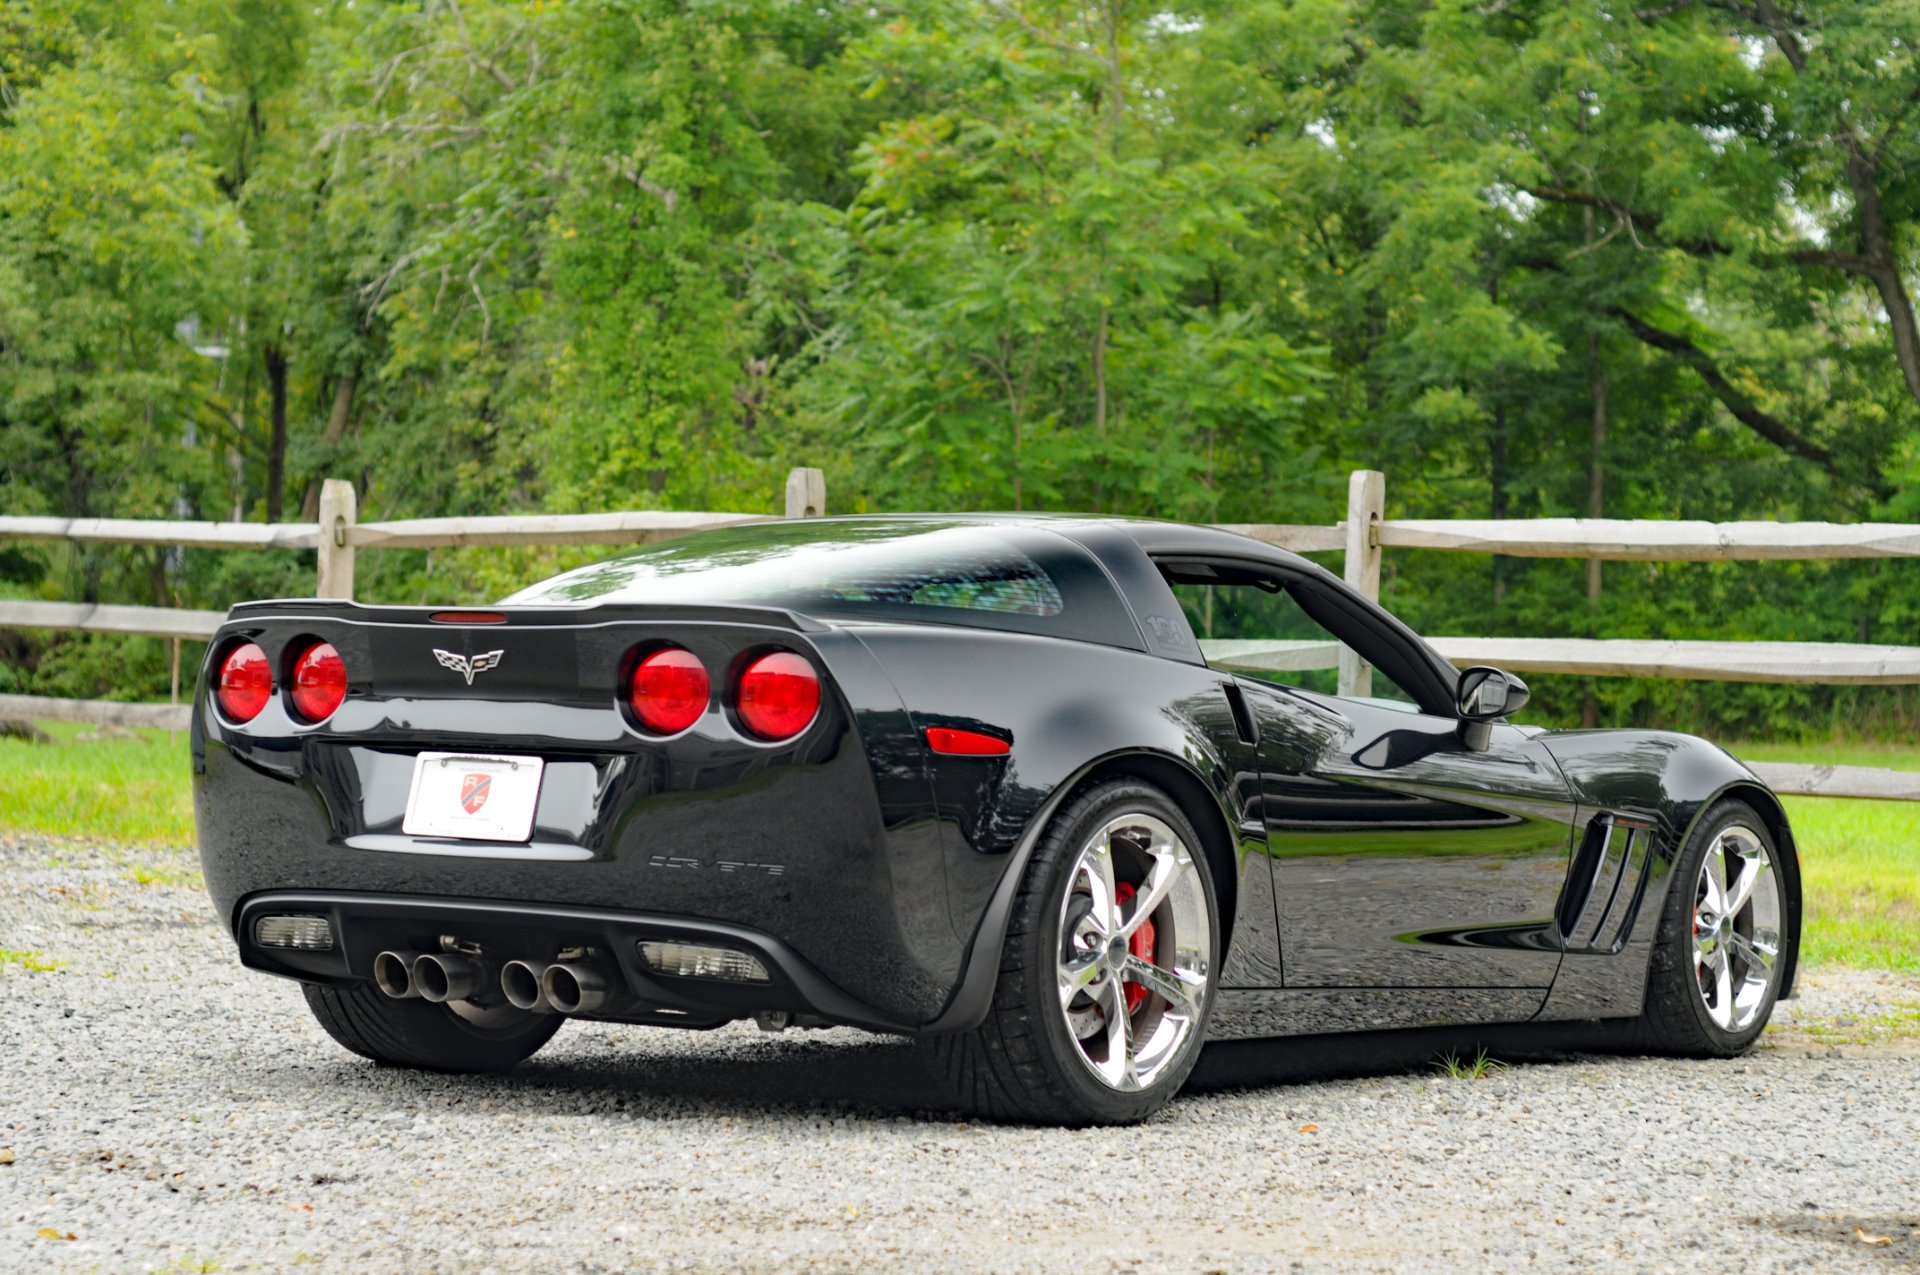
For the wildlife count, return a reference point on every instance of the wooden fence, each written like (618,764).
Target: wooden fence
(1362,537)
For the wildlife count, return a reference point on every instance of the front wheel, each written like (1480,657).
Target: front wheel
(1106,978)
(1726,938)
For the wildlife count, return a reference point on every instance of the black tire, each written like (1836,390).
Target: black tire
(419,1033)
(1675,1018)
(1022,1064)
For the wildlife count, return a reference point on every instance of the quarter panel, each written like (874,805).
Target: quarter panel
(1067,706)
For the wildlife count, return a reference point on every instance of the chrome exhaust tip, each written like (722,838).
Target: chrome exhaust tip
(393,974)
(447,976)
(575,987)
(520,984)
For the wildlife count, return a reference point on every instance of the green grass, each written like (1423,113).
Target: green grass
(121,791)
(1478,1067)
(1859,861)
(37,962)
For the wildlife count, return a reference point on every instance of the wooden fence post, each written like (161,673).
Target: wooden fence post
(338,504)
(806,493)
(1366,506)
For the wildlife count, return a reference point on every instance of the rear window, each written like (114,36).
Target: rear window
(1022,579)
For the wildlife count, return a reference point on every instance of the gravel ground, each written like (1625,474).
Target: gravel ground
(164,1109)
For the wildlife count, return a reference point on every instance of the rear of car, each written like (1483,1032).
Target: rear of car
(683,771)
(537,780)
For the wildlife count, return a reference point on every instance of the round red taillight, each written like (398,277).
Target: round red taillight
(778,695)
(670,690)
(319,682)
(246,682)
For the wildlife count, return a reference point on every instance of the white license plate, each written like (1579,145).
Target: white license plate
(475,797)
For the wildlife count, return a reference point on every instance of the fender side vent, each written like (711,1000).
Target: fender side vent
(1602,895)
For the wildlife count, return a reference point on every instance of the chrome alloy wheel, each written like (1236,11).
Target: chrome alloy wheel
(1736,928)
(1135,939)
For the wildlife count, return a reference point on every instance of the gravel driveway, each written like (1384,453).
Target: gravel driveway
(164,1109)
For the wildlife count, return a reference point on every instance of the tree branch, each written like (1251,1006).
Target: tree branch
(474,60)
(1635,219)
(1744,410)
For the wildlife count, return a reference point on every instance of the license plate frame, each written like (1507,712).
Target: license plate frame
(440,802)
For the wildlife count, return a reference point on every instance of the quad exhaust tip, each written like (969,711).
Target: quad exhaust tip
(520,983)
(393,974)
(448,976)
(568,987)
(575,987)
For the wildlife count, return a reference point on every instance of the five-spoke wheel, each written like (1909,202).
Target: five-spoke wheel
(1135,940)
(1106,975)
(1737,910)
(1727,938)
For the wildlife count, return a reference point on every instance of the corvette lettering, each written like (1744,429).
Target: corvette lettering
(723,865)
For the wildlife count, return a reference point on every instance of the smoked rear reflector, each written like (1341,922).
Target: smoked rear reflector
(703,960)
(467,617)
(952,742)
(302,933)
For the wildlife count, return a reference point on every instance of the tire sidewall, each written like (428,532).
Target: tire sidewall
(418,1033)
(1059,1052)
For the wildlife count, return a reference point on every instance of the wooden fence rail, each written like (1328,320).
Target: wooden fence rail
(1362,537)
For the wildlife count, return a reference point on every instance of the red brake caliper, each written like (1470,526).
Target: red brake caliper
(1141,945)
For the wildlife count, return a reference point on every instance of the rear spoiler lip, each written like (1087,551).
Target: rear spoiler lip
(594,615)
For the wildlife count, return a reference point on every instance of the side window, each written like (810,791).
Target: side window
(1252,625)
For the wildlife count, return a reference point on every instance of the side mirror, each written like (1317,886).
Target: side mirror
(1484,696)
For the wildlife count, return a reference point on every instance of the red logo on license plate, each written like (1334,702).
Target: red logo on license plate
(473,792)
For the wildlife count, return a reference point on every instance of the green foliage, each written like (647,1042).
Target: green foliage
(119,791)
(1482,1066)
(503,255)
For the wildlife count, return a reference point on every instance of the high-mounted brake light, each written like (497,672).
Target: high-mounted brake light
(952,742)
(246,682)
(778,695)
(467,617)
(319,682)
(670,690)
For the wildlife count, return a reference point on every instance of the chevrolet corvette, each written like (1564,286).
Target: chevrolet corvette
(1060,798)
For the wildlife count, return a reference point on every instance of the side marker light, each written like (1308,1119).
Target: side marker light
(950,741)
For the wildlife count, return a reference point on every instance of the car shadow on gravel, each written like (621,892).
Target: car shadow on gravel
(880,1077)
(1292,1060)
(876,1076)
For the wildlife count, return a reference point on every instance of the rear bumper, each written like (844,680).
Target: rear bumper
(858,897)
(366,924)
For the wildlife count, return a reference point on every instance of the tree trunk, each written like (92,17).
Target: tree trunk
(1596,485)
(335,429)
(1596,508)
(276,361)
(1876,244)
(1497,482)
(1497,505)
(1100,408)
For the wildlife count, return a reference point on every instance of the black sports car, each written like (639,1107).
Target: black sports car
(1059,797)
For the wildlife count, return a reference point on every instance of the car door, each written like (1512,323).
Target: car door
(1401,857)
